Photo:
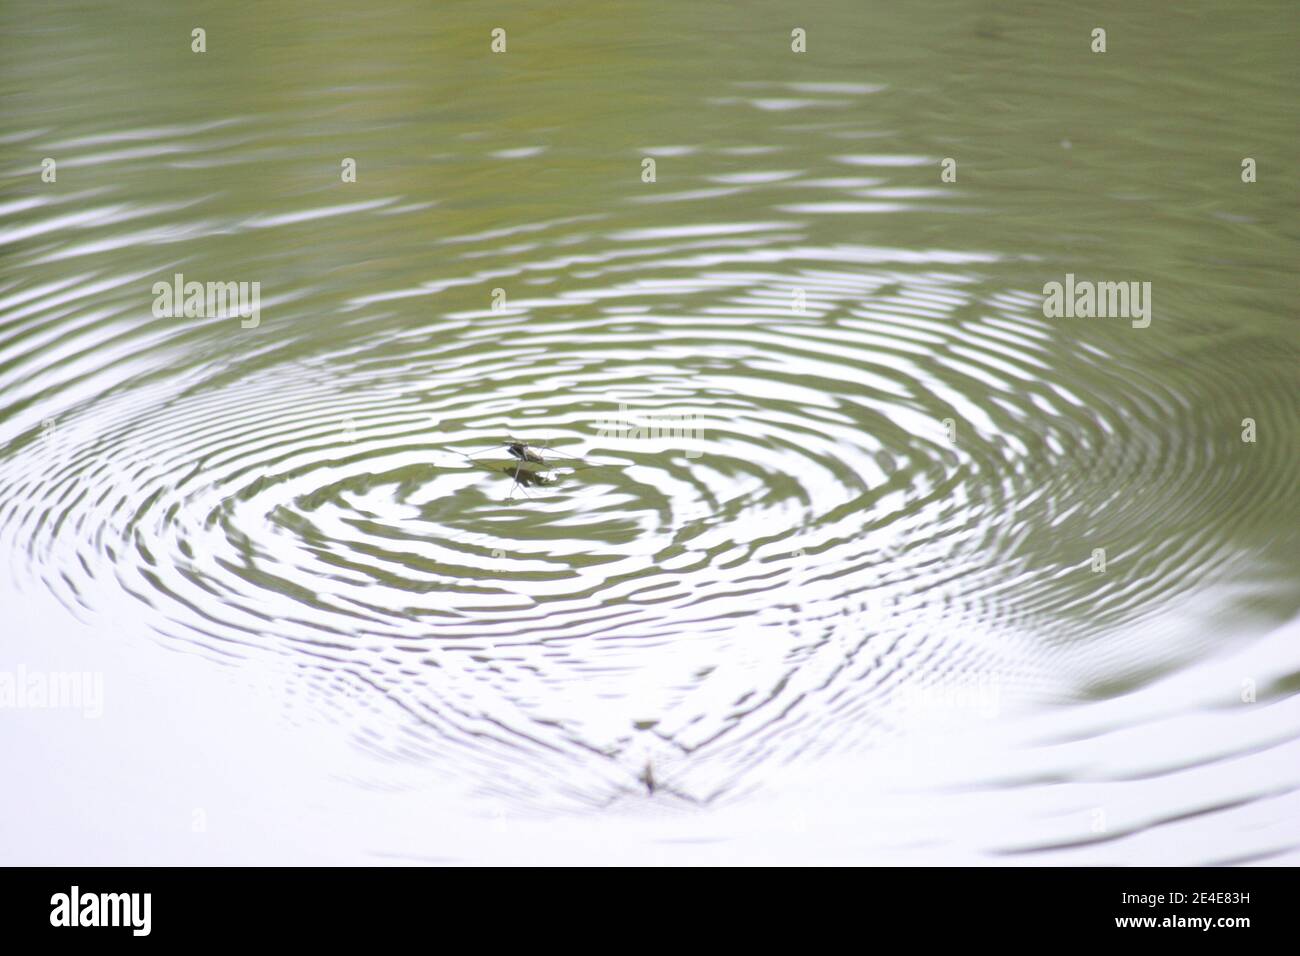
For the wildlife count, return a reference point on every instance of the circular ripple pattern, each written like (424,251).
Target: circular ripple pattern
(888,483)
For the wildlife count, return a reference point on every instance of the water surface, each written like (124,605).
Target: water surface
(859,605)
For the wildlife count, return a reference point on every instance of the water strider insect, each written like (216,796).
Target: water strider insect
(527,453)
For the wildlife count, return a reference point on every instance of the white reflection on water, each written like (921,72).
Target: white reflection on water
(191,764)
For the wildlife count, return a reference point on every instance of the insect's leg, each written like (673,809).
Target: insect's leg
(518,484)
(488,448)
(522,486)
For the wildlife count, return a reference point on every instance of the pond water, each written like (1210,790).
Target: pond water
(845,548)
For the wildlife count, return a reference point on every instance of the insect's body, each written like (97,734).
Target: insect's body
(525,452)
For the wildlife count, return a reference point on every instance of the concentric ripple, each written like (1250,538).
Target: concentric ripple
(884,486)
(900,484)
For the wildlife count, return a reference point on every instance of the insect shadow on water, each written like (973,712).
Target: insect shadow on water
(526,454)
